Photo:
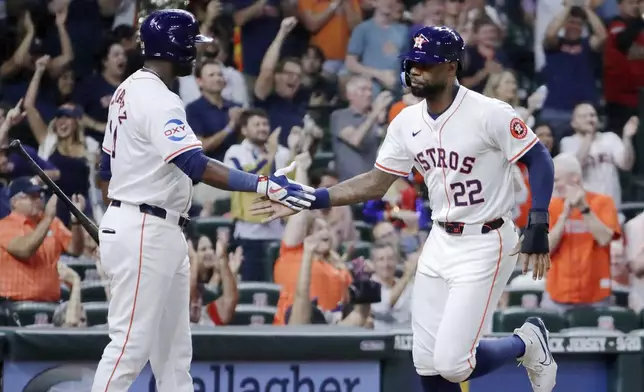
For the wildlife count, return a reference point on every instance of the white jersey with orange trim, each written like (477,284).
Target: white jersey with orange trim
(147,128)
(465,155)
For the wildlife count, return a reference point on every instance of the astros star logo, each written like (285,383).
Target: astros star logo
(419,41)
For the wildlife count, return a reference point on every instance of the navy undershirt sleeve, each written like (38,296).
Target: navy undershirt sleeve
(104,167)
(193,163)
(541,175)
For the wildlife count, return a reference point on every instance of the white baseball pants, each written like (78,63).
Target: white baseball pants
(457,287)
(145,258)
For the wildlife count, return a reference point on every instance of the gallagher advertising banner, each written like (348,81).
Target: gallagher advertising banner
(207,377)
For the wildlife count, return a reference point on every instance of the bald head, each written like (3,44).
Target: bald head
(567,173)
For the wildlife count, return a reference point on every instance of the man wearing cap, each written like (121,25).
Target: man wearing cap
(31,242)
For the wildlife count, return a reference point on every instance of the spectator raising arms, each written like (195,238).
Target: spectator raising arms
(329,279)
(569,70)
(64,144)
(277,89)
(215,269)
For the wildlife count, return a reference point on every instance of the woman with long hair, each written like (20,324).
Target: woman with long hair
(504,87)
(63,143)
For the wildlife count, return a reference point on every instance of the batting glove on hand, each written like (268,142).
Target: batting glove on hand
(535,249)
(279,188)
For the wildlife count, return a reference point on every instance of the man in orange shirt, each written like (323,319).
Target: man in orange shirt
(32,240)
(582,226)
(330,23)
(329,279)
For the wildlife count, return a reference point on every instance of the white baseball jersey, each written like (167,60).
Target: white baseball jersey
(465,155)
(600,169)
(146,129)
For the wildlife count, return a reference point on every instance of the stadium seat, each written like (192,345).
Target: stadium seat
(93,291)
(253,315)
(258,293)
(620,296)
(208,226)
(34,312)
(360,248)
(525,291)
(81,267)
(96,313)
(364,230)
(273,252)
(506,320)
(209,295)
(607,318)
(221,206)
(358,211)
(321,160)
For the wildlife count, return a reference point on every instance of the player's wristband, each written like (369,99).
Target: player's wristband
(322,199)
(538,217)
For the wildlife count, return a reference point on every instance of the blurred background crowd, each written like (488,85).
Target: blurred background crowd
(317,82)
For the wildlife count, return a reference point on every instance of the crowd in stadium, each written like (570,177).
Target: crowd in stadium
(317,82)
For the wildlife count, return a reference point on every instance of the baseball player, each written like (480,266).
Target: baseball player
(465,146)
(152,158)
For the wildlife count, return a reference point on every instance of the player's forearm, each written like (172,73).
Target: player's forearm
(218,175)
(24,247)
(367,186)
(602,234)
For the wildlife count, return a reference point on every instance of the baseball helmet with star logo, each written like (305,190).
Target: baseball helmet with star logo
(432,45)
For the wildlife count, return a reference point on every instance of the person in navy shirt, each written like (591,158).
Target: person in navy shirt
(212,118)
(278,86)
(259,21)
(569,72)
(95,93)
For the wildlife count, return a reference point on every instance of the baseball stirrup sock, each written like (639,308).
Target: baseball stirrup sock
(492,354)
(438,384)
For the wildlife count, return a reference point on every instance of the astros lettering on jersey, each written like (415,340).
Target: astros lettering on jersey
(458,156)
(146,129)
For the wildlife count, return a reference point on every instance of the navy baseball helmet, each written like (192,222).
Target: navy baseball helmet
(171,35)
(432,45)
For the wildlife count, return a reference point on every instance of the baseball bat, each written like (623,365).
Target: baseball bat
(87,223)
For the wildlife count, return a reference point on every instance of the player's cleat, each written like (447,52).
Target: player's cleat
(538,360)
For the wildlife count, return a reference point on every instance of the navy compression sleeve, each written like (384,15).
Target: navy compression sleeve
(541,175)
(104,167)
(194,162)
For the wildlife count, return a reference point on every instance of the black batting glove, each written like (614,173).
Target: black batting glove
(535,236)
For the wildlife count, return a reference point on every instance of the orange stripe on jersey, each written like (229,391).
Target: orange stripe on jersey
(390,171)
(182,149)
(489,298)
(106,150)
(526,148)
